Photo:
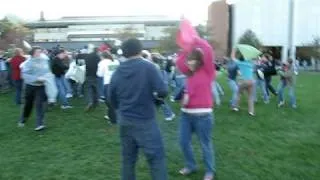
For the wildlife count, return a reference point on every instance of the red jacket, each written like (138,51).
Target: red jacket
(15,67)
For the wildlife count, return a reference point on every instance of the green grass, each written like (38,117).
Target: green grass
(277,144)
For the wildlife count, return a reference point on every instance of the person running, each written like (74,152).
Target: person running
(133,89)
(59,70)
(34,73)
(15,63)
(246,80)
(92,60)
(197,102)
(269,71)
(106,67)
(233,69)
(287,79)
(259,80)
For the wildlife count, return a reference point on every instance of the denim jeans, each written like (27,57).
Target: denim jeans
(62,90)
(201,125)
(67,85)
(18,85)
(4,80)
(180,82)
(269,87)
(235,90)
(216,92)
(260,83)
(111,111)
(147,137)
(37,94)
(166,109)
(92,90)
(282,85)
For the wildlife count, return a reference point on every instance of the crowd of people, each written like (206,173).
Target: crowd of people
(133,82)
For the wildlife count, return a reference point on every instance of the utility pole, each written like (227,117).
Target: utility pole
(291,28)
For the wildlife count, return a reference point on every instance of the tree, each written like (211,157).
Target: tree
(127,33)
(12,34)
(168,42)
(250,38)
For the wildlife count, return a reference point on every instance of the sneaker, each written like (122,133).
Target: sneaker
(294,106)
(106,117)
(251,114)
(66,107)
(170,118)
(102,100)
(235,109)
(172,99)
(281,103)
(39,128)
(20,124)
(69,95)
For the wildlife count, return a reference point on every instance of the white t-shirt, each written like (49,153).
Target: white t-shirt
(106,68)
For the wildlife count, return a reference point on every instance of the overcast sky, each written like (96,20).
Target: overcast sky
(195,10)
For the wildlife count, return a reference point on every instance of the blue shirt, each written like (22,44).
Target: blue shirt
(232,70)
(3,65)
(246,69)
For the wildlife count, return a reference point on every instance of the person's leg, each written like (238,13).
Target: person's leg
(111,111)
(255,90)
(267,80)
(264,91)
(185,137)
(95,91)
(166,109)
(203,129)
(150,141)
(40,100)
(89,90)
(215,93)
(234,88)
(28,104)
(18,86)
(67,85)
(129,149)
(292,96)
(219,88)
(61,91)
(100,87)
(250,97)
(281,87)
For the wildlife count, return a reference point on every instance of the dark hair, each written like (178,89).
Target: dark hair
(131,47)
(34,49)
(239,56)
(107,55)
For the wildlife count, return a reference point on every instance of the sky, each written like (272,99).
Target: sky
(195,10)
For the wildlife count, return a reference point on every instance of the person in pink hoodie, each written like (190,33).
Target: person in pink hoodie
(197,64)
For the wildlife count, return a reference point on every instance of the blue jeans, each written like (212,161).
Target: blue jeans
(201,125)
(216,92)
(37,94)
(100,87)
(67,85)
(282,85)
(260,83)
(147,137)
(235,90)
(18,85)
(180,82)
(92,90)
(166,109)
(62,90)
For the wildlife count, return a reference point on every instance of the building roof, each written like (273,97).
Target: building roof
(91,20)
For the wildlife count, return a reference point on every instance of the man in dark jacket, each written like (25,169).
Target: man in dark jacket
(92,60)
(134,87)
(269,71)
(59,69)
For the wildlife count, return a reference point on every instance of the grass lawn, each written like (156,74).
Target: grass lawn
(277,144)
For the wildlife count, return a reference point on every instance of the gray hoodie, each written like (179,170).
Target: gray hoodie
(34,68)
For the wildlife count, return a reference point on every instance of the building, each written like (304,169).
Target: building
(82,30)
(284,24)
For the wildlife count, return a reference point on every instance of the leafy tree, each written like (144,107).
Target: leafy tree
(168,42)
(127,33)
(12,34)
(250,38)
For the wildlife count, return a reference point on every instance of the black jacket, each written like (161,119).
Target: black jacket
(58,67)
(92,61)
(270,68)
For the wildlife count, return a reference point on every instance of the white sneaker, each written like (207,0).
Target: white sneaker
(281,103)
(251,114)
(69,95)
(39,128)
(106,117)
(235,109)
(20,125)
(170,118)
(66,107)
(172,99)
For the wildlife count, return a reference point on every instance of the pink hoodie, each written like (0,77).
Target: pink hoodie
(198,94)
